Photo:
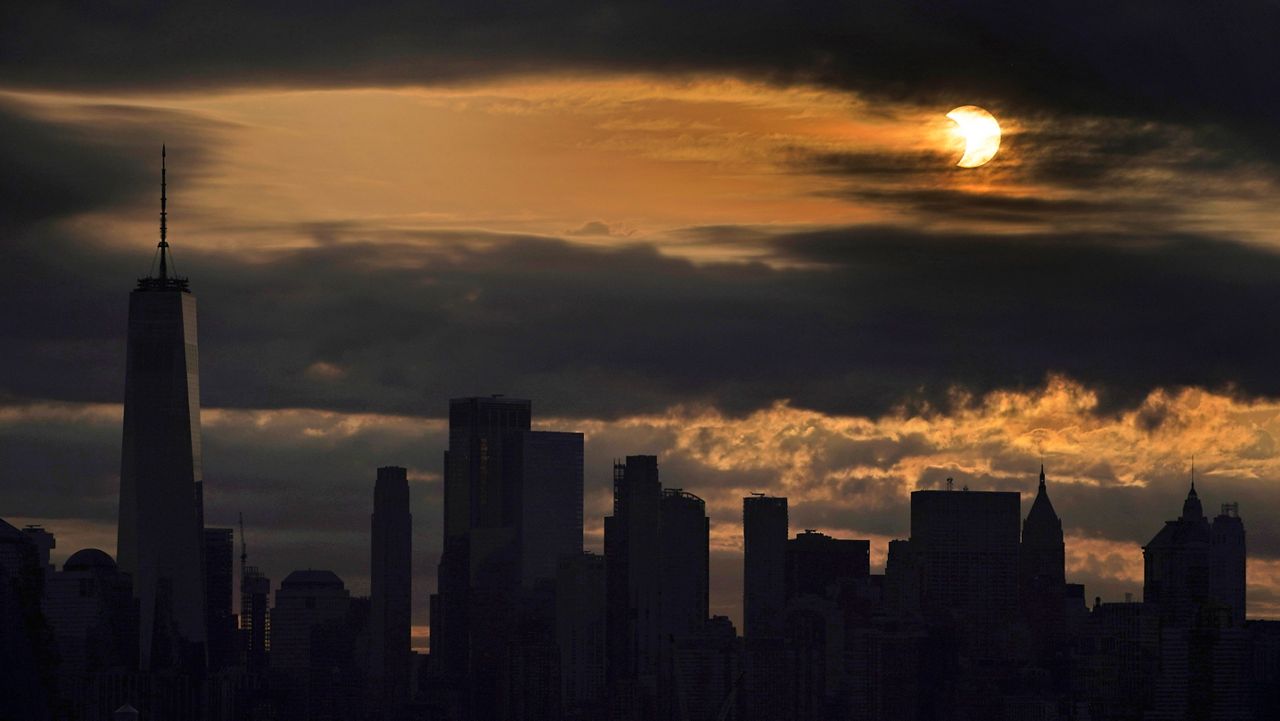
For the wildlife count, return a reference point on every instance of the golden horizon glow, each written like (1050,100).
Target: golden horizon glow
(981,134)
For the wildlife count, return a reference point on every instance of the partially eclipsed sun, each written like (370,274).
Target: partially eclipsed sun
(981,134)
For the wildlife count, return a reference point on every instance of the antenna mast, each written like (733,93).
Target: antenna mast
(164,244)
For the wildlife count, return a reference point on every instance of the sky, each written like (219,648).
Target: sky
(730,234)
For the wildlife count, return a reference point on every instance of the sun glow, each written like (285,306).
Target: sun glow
(981,134)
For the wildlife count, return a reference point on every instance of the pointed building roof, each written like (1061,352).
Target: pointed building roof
(1042,508)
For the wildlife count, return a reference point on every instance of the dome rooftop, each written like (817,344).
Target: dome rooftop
(89,559)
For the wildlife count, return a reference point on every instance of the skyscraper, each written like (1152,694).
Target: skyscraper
(966,545)
(390,588)
(1227,577)
(1176,566)
(686,536)
(549,493)
(764,562)
(255,630)
(1042,581)
(819,565)
(220,623)
(513,505)
(473,499)
(633,585)
(305,601)
(159,541)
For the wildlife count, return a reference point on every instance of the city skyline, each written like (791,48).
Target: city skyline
(837,256)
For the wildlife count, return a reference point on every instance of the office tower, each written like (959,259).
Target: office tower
(255,629)
(159,541)
(1042,581)
(1176,566)
(1192,584)
(513,505)
(764,564)
(819,565)
(26,654)
(549,496)
(633,566)
(966,545)
(473,498)
(390,588)
(94,617)
(685,571)
(1227,574)
(901,580)
(220,623)
(580,634)
(305,602)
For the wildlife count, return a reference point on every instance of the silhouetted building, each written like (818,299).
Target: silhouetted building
(966,545)
(338,667)
(901,580)
(580,634)
(159,542)
(220,622)
(90,606)
(549,494)
(513,506)
(764,564)
(1193,576)
(708,672)
(1041,582)
(391,589)
(1227,572)
(45,543)
(819,565)
(27,683)
(686,539)
(305,601)
(632,537)
(1177,566)
(255,625)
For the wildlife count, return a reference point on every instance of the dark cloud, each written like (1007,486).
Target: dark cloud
(869,317)
(1190,62)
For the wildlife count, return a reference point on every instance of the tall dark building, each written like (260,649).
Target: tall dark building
(220,623)
(1194,573)
(686,539)
(634,565)
(1042,580)
(160,516)
(819,565)
(549,492)
(1227,549)
(764,565)
(473,499)
(1176,566)
(390,589)
(513,506)
(966,545)
(93,614)
(255,618)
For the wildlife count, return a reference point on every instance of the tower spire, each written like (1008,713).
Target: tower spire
(1042,474)
(164,244)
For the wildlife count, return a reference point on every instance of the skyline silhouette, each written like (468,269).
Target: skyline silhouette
(636,360)
(974,616)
